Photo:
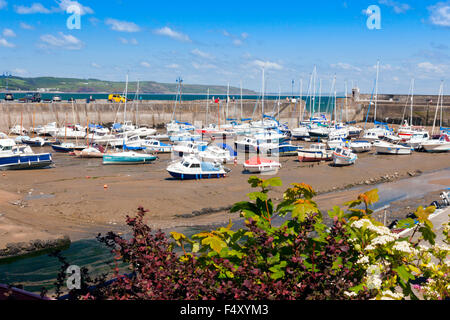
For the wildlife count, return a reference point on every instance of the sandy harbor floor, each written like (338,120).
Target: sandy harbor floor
(81,197)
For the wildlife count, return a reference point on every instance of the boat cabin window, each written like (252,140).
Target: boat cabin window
(195,165)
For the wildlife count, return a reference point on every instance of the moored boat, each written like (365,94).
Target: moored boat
(344,156)
(261,165)
(315,153)
(19,157)
(190,167)
(128,157)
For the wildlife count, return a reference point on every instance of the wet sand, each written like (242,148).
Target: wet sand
(71,198)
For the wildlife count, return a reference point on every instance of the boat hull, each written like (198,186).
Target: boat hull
(304,156)
(124,160)
(192,176)
(23,162)
(393,150)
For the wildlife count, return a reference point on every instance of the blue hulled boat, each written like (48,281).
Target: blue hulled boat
(19,157)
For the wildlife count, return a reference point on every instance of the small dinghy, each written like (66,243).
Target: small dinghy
(67,147)
(191,167)
(316,153)
(344,156)
(96,151)
(128,157)
(261,165)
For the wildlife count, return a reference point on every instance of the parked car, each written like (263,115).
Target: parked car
(31,97)
(9,97)
(57,99)
(116,98)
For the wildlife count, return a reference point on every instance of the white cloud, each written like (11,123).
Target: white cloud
(173,66)
(429,67)
(26,26)
(440,14)
(65,4)
(267,65)
(122,26)
(202,54)
(6,44)
(398,7)
(64,41)
(244,35)
(8,33)
(20,72)
(132,41)
(237,42)
(3,4)
(145,64)
(34,8)
(95,65)
(166,31)
(345,66)
(198,66)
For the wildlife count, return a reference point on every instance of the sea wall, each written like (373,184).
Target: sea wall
(156,113)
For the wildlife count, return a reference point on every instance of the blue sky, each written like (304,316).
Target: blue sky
(215,42)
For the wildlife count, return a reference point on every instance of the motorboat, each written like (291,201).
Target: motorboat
(214,153)
(187,148)
(284,150)
(156,146)
(144,132)
(389,146)
(175,127)
(190,167)
(335,141)
(360,146)
(300,133)
(318,131)
(437,145)
(69,133)
(315,153)
(19,157)
(343,156)
(417,139)
(128,157)
(184,136)
(252,145)
(47,130)
(261,165)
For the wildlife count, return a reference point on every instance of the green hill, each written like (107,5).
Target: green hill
(95,85)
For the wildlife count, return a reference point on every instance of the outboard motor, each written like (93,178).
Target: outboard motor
(436,204)
(393,224)
(445,198)
(411,215)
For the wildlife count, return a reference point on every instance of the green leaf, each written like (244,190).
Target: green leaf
(428,234)
(274,182)
(215,243)
(404,274)
(406,224)
(258,195)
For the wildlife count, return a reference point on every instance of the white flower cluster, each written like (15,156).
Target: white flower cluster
(404,246)
(366,223)
(350,294)
(389,295)
(374,277)
(363,260)
(385,239)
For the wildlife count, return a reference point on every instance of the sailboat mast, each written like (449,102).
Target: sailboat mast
(441,91)
(241,102)
(262,98)
(376,91)
(228,99)
(346,101)
(300,113)
(207,108)
(412,102)
(137,105)
(126,98)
